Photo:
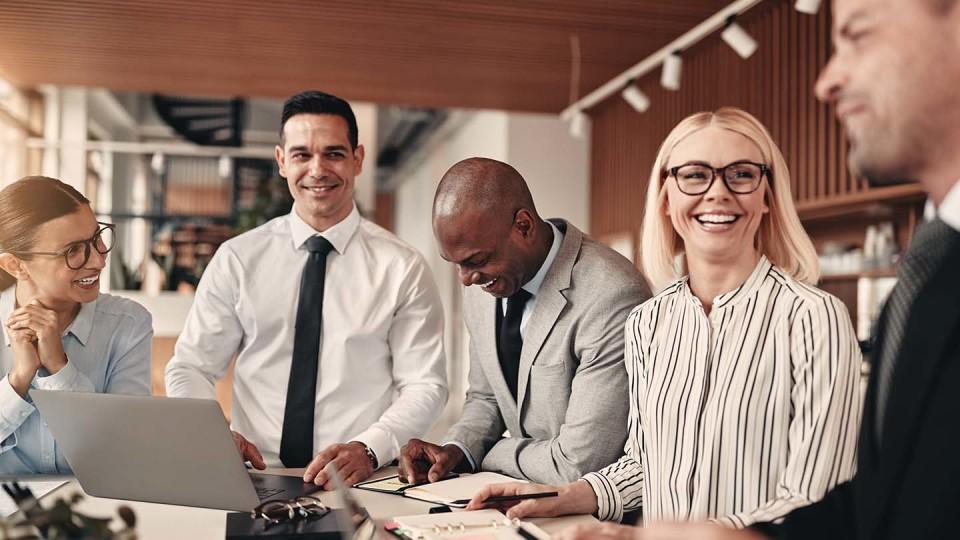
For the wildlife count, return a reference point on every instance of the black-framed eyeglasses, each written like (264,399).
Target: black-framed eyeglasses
(76,254)
(740,177)
(282,511)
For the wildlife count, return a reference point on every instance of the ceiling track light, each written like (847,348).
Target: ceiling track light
(636,98)
(810,7)
(738,39)
(671,71)
(578,124)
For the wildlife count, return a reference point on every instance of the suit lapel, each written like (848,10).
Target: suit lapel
(550,303)
(934,316)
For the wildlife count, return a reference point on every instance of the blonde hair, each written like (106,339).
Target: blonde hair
(781,236)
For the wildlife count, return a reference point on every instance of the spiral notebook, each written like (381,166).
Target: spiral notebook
(477,525)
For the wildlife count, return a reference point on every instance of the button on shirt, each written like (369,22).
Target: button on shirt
(382,378)
(108,351)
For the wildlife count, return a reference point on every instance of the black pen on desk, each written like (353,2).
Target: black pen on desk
(511,498)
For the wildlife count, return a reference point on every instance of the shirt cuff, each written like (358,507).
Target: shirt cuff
(609,503)
(65,379)
(13,408)
(384,445)
(470,460)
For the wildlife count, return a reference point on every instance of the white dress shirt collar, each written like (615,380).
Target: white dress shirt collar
(339,235)
(949,210)
(533,286)
(81,327)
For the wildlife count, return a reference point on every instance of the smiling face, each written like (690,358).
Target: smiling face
(494,254)
(48,278)
(320,167)
(892,77)
(717,225)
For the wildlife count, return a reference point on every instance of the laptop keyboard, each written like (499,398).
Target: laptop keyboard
(265,493)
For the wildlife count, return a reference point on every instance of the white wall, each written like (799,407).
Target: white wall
(555,167)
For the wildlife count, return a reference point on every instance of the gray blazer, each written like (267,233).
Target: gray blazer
(572,393)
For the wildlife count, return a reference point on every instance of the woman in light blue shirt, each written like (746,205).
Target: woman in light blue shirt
(59,331)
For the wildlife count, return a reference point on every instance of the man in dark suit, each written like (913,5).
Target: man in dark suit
(545,306)
(894,79)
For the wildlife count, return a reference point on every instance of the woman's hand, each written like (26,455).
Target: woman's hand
(575,498)
(44,324)
(26,359)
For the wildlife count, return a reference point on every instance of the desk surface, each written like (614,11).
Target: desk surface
(164,522)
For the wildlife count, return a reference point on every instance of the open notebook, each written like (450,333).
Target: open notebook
(453,492)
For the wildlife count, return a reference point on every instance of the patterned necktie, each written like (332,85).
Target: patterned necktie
(509,340)
(931,243)
(296,441)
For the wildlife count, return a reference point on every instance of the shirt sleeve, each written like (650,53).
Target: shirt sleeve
(419,371)
(619,486)
(211,334)
(480,425)
(14,410)
(69,378)
(825,359)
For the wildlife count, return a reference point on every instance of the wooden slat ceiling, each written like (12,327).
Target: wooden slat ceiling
(506,54)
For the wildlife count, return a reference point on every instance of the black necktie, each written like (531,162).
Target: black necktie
(296,442)
(931,243)
(509,340)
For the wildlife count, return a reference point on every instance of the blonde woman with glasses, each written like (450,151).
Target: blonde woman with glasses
(59,331)
(744,377)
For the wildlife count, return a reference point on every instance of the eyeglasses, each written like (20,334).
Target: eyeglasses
(77,254)
(300,508)
(740,177)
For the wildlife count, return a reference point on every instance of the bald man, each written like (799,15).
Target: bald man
(545,307)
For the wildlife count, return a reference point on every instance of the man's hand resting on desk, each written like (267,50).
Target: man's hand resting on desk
(421,461)
(574,498)
(350,459)
(249,451)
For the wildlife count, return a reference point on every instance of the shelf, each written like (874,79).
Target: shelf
(889,272)
(874,201)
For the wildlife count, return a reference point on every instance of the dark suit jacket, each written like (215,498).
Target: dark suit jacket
(909,486)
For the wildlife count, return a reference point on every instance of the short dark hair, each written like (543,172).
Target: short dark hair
(317,102)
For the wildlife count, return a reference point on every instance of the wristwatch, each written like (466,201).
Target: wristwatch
(371,456)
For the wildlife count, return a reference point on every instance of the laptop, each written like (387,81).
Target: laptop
(155,449)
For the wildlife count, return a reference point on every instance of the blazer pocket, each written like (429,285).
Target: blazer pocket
(547,397)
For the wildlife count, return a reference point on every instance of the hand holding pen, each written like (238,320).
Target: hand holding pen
(520,500)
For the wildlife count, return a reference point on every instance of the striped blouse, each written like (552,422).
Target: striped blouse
(739,415)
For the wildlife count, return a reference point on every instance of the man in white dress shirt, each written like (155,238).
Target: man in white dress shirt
(355,369)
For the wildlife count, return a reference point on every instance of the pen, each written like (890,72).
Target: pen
(509,498)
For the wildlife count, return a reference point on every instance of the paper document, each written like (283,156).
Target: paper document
(39,489)
(442,492)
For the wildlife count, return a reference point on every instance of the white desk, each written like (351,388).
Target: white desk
(165,522)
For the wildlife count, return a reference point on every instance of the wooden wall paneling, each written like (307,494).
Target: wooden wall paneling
(777,86)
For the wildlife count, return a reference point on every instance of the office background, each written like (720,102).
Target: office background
(166,113)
